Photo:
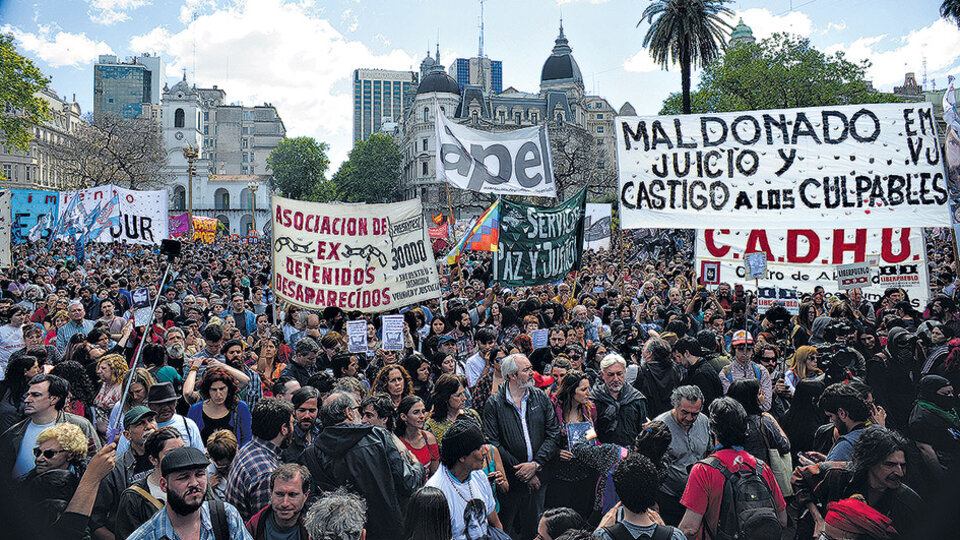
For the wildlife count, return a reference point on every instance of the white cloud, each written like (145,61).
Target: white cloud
(108,12)
(891,57)
(382,39)
(562,2)
(765,23)
(58,48)
(350,20)
(842,25)
(281,53)
(641,62)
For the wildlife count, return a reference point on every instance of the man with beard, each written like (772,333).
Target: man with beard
(162,400)
(186,515)
(289,491)
(306,406)
(248,486)
(303,365)
(365,458)
(848,411)
(689,443)
(459,319)
(876,472)
(144,497)
(131,466)
(743,367)
(520,420)
(621,408)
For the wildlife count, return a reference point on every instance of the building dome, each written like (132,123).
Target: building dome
(742,34)
(560,65)
(438,81)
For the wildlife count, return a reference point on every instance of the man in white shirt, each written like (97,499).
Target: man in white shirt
(462,481)
(486,340)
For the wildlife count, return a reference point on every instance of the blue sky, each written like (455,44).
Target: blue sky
(299,55)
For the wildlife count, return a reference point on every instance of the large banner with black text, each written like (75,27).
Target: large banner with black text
(513,162)
(539,245)
(801,259)
(366,257)
(857,165)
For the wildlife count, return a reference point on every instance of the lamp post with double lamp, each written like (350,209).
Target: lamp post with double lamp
(253,186)
(190,153)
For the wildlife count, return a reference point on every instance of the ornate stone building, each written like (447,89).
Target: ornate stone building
(38,168)
(580,122)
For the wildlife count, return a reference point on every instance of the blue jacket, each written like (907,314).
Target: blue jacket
(239,425)
(250,319)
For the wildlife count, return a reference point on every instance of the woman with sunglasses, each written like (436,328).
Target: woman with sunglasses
(61,446)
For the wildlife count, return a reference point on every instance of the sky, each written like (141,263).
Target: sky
(300,55)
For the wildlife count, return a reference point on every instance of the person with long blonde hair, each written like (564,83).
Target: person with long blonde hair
(803,365)
(111,369)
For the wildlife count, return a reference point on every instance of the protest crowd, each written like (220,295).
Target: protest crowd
(624,400)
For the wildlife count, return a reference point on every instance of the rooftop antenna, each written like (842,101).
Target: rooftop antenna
(924,84)
(481,30)
(194,74)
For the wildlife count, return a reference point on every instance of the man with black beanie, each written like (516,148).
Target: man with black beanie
(461,479)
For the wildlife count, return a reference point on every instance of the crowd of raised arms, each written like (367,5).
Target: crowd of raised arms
(651,406)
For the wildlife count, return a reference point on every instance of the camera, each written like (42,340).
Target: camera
(837,361)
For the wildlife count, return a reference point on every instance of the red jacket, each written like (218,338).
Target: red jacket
(258,524)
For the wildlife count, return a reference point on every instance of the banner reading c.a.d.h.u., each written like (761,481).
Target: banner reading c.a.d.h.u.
(370,257)
(539,245)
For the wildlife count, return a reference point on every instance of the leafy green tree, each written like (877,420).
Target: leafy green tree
(950,9)
(298,166)
(687,32)
(20,81)
(371,172)
(779,72)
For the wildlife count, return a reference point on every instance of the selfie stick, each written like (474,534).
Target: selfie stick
(114,428)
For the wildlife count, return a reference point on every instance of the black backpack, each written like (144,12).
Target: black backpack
(619,532)
(747,510)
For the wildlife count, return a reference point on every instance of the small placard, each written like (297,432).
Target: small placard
(392,327)
(357,336)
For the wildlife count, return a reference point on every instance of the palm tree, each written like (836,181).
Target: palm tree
(691,32)
(950,9)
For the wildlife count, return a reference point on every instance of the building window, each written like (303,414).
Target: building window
(28,173)
(560,118)
(178,118)
(424,168)
(206,116)
(519,117)
(503,116)
(533,117)
(7,171)
(599,129)
(425,145)
(426,114)
(244,143)
(599,116)
(245,157)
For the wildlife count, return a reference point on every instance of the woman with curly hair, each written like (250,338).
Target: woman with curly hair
(62,446)
(111,369)
(221,407)
(268,365)
(80,398)
(394,381)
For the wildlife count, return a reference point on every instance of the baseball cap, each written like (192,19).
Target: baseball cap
(445,339)
(136,414)
(186,457)
(741,337)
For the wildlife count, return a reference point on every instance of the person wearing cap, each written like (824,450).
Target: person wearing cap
(131,466)
(463,482)
(162,399)
(142,498)
(186,515)
(743,367)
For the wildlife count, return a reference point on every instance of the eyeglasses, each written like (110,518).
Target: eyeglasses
(739,347)
(47,454)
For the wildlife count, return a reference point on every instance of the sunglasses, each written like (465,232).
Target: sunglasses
(47,454)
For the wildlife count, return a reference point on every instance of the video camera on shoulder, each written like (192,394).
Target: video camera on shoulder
(837,361)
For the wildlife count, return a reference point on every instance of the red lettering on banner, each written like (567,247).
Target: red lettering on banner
(757,241)
(812,239)
(886,246)
(858,246)
(712,247)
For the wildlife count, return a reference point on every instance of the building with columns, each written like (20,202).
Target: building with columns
(37,168)
(232,143)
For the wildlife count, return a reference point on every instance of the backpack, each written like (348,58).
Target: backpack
(218,519)
(619,532)
(747,510)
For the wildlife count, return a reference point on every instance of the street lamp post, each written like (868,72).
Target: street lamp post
(190,153)
(253,203)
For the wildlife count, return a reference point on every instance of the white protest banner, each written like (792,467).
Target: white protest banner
(767,297)
(6,227)
(596,228)
(801,259)
(392,328)
(113,214)
(859,165)
(357,336)
(366,257)
(755,264)
(853,276)
(513,162)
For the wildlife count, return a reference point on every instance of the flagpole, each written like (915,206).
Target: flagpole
(453,221)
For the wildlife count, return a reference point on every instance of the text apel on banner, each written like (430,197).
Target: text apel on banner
(539,245)
(371,257)
(513,162)
(597,226)
(802,259)
(860,165)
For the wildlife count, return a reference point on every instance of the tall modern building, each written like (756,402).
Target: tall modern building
(126,88)
(479,71)
(380,96)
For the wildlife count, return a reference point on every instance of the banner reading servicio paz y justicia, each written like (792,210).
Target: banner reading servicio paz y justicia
(539,245)
(513,162)
(596,227)
(366,257)
(801,259)
(855,165)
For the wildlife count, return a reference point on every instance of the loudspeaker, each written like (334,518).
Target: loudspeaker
(170,248)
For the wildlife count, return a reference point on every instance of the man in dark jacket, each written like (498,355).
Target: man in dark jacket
(621,408)
(521,422)
(364,459)
(304,363)
(891,375)
(658,376)
(700,372)
(289,490)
